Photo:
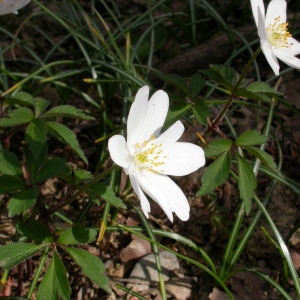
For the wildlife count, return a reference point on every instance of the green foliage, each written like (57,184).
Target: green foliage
(54,285)
(13,254)
(91,266)
(36,231)
(77,235)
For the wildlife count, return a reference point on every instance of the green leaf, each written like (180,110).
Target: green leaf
(77,235)
(200,111)
(55,285)
(99,189)
(264,157)
(19,116)
(36,231)
(247,182)
(9,163)
(76,176)
(91,266)
(197,84)
(251,138)
(22,201)
(175,112)
(67,136)
(216,174)
(53,167)
(10,183)
(67,111)
(13,254)
(262,87)
(217,147)
(40,105)
(36,136)
(175,80)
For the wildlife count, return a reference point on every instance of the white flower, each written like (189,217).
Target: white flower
(148,157)
(275,39)
(11,6)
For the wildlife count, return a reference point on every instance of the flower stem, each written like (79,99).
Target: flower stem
(232,96)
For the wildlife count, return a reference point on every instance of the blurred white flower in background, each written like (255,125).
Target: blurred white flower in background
(275,39)
(11,6)
(148,157)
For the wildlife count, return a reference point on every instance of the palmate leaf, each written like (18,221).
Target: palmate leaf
(22,201)
(13,254)
(19,116)
(55,285)
(100,190)
(216,174)
(66,135)
(11,183)
(217,147)
(200,111)
(36,231)
(35,136)
(247,182)
(77,235)
(91,266)
(68,111)
(251,138)
(9,163)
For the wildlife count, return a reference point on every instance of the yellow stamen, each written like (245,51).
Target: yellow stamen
(278,34)
(148,156)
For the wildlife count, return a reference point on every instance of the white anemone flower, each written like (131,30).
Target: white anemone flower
(12,6)
(275,39)
(148,157)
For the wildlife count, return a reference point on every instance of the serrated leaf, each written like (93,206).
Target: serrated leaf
(36,231)
(175,80)
(11,183)
(217,147)
(9,163)
(77,234)
(19,116)
(67,136)
(40,105)
(68,111)
(247,182)
(216,173)
(22,201)
(197,84)
(13,254)
(99,189)
(175,112)
(262,87)
(53,167)
(35,136)
(251,138)
(55,285)
(264,157)
(76,177)
(200,111)
(91,266)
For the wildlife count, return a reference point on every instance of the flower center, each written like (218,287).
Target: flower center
(278,34)
(148,156)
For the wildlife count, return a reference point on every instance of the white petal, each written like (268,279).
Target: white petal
(140,194)
(182,158)
(276,8)
(158,106)
(172,134)
(270,56)
(288,58)
(295,46)
(166,193)
(137,115)
(261,28)
(118,151)
(257,5)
